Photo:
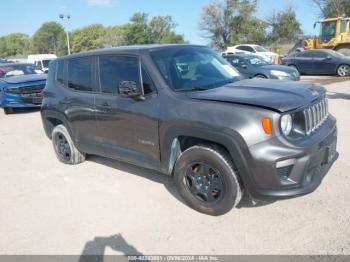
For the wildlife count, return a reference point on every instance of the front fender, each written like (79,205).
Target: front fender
(229,139)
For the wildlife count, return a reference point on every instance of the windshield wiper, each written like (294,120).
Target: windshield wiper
(196,88)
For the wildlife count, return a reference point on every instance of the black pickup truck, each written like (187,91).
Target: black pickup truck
(183,110)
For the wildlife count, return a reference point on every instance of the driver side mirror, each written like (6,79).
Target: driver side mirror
(130,89)
(329,58)
(243,65)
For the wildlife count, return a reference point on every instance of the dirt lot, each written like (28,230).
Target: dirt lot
(104,206)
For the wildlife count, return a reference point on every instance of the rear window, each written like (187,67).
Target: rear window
(80,74)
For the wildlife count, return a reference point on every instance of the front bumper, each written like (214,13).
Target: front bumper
(308,164)
(21,101)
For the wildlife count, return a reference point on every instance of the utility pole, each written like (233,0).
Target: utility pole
(65,20)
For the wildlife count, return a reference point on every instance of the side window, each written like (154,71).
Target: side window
(343,24)
(304,54)
(246,48)
(147,83)
(80,75)
(115,69)
(38,65)
(241,47)
(234,61)
(319,54)
(250,49)
(60,73)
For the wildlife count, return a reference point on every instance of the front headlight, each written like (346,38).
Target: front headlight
(279,73)
(12,90)
(286,124)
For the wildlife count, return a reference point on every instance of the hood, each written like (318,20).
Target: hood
(25,78)
(277,95)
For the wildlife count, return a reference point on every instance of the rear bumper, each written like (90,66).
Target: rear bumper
(303,170)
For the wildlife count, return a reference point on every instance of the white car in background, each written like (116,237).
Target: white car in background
(255,49)
(41,61)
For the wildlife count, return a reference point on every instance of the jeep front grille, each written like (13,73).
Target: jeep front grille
(315,115)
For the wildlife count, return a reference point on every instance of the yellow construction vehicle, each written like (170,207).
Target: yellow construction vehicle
(334,34)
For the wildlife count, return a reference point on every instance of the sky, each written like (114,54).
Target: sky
(27,15)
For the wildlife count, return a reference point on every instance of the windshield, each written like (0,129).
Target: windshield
(46,63)
(327,31)
(193,68)
(260,49)
(17,70)
(257,60)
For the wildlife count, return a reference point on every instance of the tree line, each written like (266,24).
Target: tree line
(51,37)
(223,22)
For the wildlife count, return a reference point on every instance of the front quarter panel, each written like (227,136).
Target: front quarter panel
(232,125)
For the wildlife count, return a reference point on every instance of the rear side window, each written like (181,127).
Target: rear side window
(304,54)
(116,69)
(245,48)
(235,61)
(80,74)
(320,54)
(60,73)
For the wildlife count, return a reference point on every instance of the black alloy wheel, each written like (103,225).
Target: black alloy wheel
(62,147)
(204,182)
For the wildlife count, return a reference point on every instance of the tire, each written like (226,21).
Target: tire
(343,70)
(206,180)
(64,147)
(8,110)
(260,76)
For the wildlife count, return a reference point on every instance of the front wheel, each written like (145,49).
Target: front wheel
(8,110)
(64,147)
(206,180)
(343,70)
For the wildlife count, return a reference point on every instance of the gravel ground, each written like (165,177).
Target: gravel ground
(104,206)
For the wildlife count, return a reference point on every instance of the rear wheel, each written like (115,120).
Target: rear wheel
(206,180)
(260,76)
(64,147)
(343,70)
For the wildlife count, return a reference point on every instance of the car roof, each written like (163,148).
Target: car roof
(128,49)
(251,45)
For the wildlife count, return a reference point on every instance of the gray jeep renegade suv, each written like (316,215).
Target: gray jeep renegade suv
(182,110)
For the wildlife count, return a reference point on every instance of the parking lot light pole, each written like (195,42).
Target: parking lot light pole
(65,20)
